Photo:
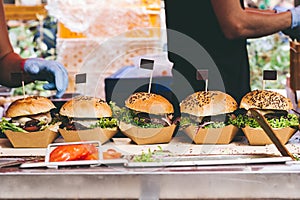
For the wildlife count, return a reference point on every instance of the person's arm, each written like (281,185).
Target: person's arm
(239,23)
(255,10)
(10,62)
(28,69)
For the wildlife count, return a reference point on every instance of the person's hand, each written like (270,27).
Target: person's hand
(46,70)
(293,33)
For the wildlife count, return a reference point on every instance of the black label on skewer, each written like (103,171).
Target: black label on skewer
(202,74)
(80,78)
(270,75)
(147,64)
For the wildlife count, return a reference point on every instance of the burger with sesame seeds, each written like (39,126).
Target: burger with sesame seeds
(276,110)
(206,117)
(147,118)
(87,118)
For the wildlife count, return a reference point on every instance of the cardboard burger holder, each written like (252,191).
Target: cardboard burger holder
(96,134)
(38,139)
(257,136)
(148,135)
(212,135)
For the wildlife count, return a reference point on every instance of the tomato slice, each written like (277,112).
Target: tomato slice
(74,152)
(92,153)
(31,128)
(80,152)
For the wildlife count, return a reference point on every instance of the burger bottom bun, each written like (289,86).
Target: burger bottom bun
(257,136)
(141,135)
(38,139)
(211,135)
(95,134)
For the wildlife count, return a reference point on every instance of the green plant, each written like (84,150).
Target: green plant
(29,40)
(269,53)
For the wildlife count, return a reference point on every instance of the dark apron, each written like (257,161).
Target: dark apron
(196,41)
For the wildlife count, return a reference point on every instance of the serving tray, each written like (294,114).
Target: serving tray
(210,159)
(172,161)
(161,159)
(49,164)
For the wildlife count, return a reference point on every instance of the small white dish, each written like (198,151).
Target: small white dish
(120,141)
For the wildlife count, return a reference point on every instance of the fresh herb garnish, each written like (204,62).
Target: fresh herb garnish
(6,125)
(129,116)
(150,156)
(105,122)
(291,120)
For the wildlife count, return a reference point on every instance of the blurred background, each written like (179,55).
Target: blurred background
(100,37)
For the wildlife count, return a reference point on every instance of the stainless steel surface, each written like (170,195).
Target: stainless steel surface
(210,160)
(209,182)
(6,162)
(243,181)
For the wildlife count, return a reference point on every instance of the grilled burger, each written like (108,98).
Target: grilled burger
(275,108)
(29,114)
(272,105)
(211,111)
(146,116)
(87,118)
(84,112)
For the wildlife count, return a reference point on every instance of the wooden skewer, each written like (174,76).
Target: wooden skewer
(23,88)
(267,128)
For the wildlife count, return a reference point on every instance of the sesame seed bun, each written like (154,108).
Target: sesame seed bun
(149,103)
(31,105)
(265,99)
(208,103)
(86,107)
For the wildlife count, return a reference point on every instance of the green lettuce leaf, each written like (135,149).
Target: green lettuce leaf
(291,120)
